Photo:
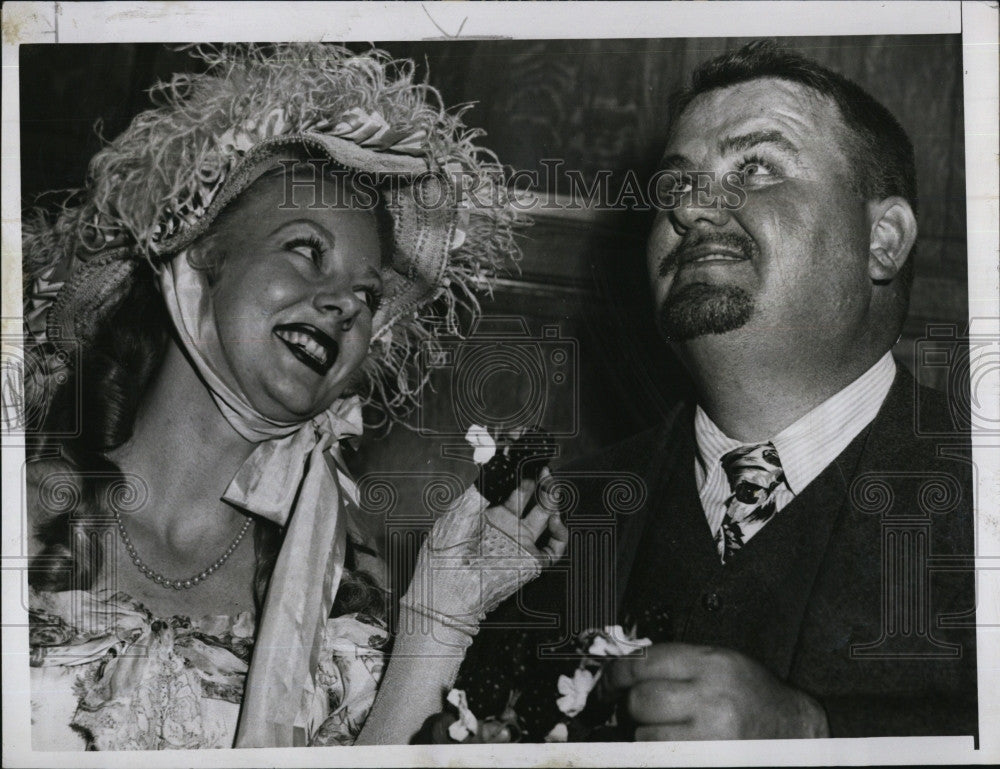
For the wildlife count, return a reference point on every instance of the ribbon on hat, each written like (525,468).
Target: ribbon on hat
(295,477)
(370,129)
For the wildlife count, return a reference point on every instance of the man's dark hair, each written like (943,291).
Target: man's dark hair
(881,150)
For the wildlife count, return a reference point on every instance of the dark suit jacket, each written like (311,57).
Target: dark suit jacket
(860,592)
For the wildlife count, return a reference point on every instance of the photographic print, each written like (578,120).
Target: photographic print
(530,383)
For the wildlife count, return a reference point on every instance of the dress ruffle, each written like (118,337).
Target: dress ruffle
(147,683)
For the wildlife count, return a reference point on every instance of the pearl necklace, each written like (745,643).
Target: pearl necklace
(177,584)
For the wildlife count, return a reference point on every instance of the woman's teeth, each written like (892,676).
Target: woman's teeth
(309,345)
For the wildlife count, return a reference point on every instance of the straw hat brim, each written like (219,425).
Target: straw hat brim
(422,236)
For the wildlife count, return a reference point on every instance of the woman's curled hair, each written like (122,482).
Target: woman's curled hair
(96,408)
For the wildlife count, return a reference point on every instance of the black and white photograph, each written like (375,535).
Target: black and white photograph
(515,383)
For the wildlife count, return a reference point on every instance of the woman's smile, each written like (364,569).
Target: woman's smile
(316,349)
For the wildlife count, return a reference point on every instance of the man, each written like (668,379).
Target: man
(780,562)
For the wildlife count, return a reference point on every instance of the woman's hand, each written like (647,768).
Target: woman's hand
(476,556)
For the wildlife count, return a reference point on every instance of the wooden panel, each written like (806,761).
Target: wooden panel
(595,105)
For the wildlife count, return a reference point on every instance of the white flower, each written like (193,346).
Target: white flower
(574,691)
(485,447)
(458,731)
(559,733)
(613,641)
(467,723)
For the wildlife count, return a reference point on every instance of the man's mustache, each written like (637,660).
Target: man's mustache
(695,245)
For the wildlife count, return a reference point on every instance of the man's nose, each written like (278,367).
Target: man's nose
(703,204)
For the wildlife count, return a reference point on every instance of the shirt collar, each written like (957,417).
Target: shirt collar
(712,443)
(813,441)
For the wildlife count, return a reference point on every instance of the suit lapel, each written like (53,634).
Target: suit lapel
(676,548)
(634,530)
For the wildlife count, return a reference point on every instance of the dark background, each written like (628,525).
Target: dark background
(594,104)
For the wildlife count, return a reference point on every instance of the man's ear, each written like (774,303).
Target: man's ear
(893,233)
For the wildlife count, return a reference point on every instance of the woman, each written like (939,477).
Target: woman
(252,261)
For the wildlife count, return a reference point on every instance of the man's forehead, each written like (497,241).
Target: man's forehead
(756,105)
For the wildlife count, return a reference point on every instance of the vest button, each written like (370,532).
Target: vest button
(711,601)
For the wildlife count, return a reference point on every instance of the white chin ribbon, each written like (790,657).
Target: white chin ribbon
(296,478)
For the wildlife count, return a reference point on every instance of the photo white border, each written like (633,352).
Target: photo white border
(114,22)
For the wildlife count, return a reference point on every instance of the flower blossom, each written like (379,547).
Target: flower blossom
(481,440)
(613,641)
(467,723)
(574,691)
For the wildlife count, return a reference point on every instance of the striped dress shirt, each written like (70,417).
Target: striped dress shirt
(805,447)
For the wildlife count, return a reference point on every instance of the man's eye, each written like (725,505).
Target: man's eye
(675,183)
(754,168)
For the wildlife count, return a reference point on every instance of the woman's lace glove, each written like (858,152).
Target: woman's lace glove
(475,557)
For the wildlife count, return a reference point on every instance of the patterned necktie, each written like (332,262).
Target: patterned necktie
(754,473)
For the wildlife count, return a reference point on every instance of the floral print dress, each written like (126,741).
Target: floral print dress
(108,675)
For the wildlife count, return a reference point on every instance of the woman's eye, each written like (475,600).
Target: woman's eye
(310,248)
(370,296)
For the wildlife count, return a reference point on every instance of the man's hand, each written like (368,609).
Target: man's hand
(681,692)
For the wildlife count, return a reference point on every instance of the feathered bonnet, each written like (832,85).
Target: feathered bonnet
(157,187)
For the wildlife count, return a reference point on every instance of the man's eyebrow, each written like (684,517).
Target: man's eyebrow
(752,139)
(735,144)
(669,162)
